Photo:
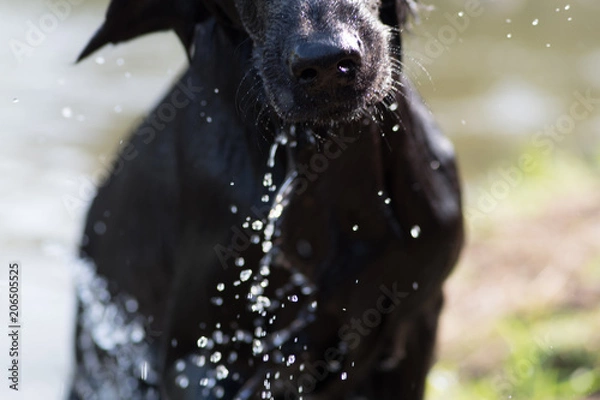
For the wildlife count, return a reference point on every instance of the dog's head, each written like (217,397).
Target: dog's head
(319,60)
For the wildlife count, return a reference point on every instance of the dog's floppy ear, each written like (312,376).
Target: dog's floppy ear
(126,19)
(396,12)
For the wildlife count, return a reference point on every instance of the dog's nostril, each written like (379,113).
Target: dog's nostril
(324,64)
(308,75)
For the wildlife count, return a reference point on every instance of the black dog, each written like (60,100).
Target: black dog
(281,225)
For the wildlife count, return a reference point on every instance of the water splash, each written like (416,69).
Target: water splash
(114,353)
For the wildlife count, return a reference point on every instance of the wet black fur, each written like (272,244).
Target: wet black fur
(170,235)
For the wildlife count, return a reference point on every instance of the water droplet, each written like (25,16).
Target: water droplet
(222,372)
(100,60)
(293,298)
(216,90)
(208,382)
(415,231)
(267,245)
(344,376)
(202,342)
(276,211)
(100,228)
(131,305)
(509,35)
(219,392)
(233,209)
(245,275)
(290,360)
(535,22)
(209,119)
(182,381)
(355,228)
(220,287)
(567,7)
(415,285)
(395,128)
(15,100)
(144,370)
(215,357)
(304,248)
(387,201)
(257,346)
(199,360)
(217,301)
(434,165)
(137,333)
(67,112)
(257,225)
(180,365)
(306,290)
(262,303)
(268,180)
(240,261)
(219,337)
(265,198)
(393,106)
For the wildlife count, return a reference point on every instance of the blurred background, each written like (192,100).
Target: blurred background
(514,83)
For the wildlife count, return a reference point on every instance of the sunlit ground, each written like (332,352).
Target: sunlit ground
(523,306)
(522,313)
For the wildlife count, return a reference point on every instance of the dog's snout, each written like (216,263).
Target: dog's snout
(322,64)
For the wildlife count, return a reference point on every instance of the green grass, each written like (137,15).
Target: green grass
(549,356)
(533,354)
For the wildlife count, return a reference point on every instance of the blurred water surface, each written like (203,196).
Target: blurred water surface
(502,75)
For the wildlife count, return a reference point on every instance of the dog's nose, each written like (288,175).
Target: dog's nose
(322,64)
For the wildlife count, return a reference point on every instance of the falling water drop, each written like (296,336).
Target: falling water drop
(215,357)
(415,231)
(182,381)
(245,275)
